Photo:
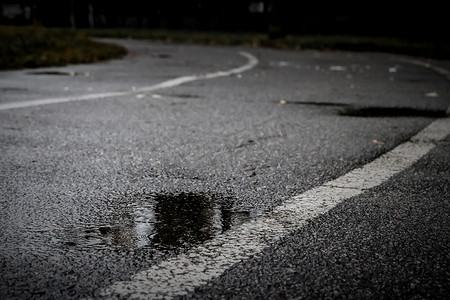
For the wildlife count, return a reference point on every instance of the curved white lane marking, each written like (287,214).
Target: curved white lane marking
(439,70)
(182,274)
(251,63)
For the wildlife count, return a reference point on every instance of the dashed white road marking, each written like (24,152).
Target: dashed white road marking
(251,63)
(182,274)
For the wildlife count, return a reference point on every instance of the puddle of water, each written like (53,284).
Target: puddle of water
(185,219)
(375,112)
(160,222)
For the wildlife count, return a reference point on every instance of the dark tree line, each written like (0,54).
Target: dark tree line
(277,17)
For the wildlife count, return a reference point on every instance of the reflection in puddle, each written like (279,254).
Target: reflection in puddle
(144,219)
(182,219)
(161,222)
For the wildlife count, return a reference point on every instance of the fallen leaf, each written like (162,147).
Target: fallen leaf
(378,142)
(338,68)
(432,94)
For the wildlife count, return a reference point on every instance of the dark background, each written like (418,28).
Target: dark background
(425,20)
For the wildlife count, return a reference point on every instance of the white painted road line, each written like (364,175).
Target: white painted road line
(180,275)
(22,104)
(251,63)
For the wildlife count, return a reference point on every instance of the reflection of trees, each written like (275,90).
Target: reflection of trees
(182,220)
(226,215)
(165,221)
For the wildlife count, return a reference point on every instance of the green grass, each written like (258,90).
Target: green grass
(32,47)
(179,36)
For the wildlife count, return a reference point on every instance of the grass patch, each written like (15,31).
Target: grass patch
(181,36)
(33,47)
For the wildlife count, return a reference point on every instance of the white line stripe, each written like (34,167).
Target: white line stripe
(31,103)
(439,70)
(181,274)
(251,63)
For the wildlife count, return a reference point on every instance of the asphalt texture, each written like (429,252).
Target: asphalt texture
(81,182)
(390,243)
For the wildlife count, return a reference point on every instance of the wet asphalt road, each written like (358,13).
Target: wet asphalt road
(88,187)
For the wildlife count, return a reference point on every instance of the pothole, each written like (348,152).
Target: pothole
(185,96)
(161,222)
(379,112)
(13,89)
(375,112)
(61,73)
(312,103)
(162,55)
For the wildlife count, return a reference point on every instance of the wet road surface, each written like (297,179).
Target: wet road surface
(96,191)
